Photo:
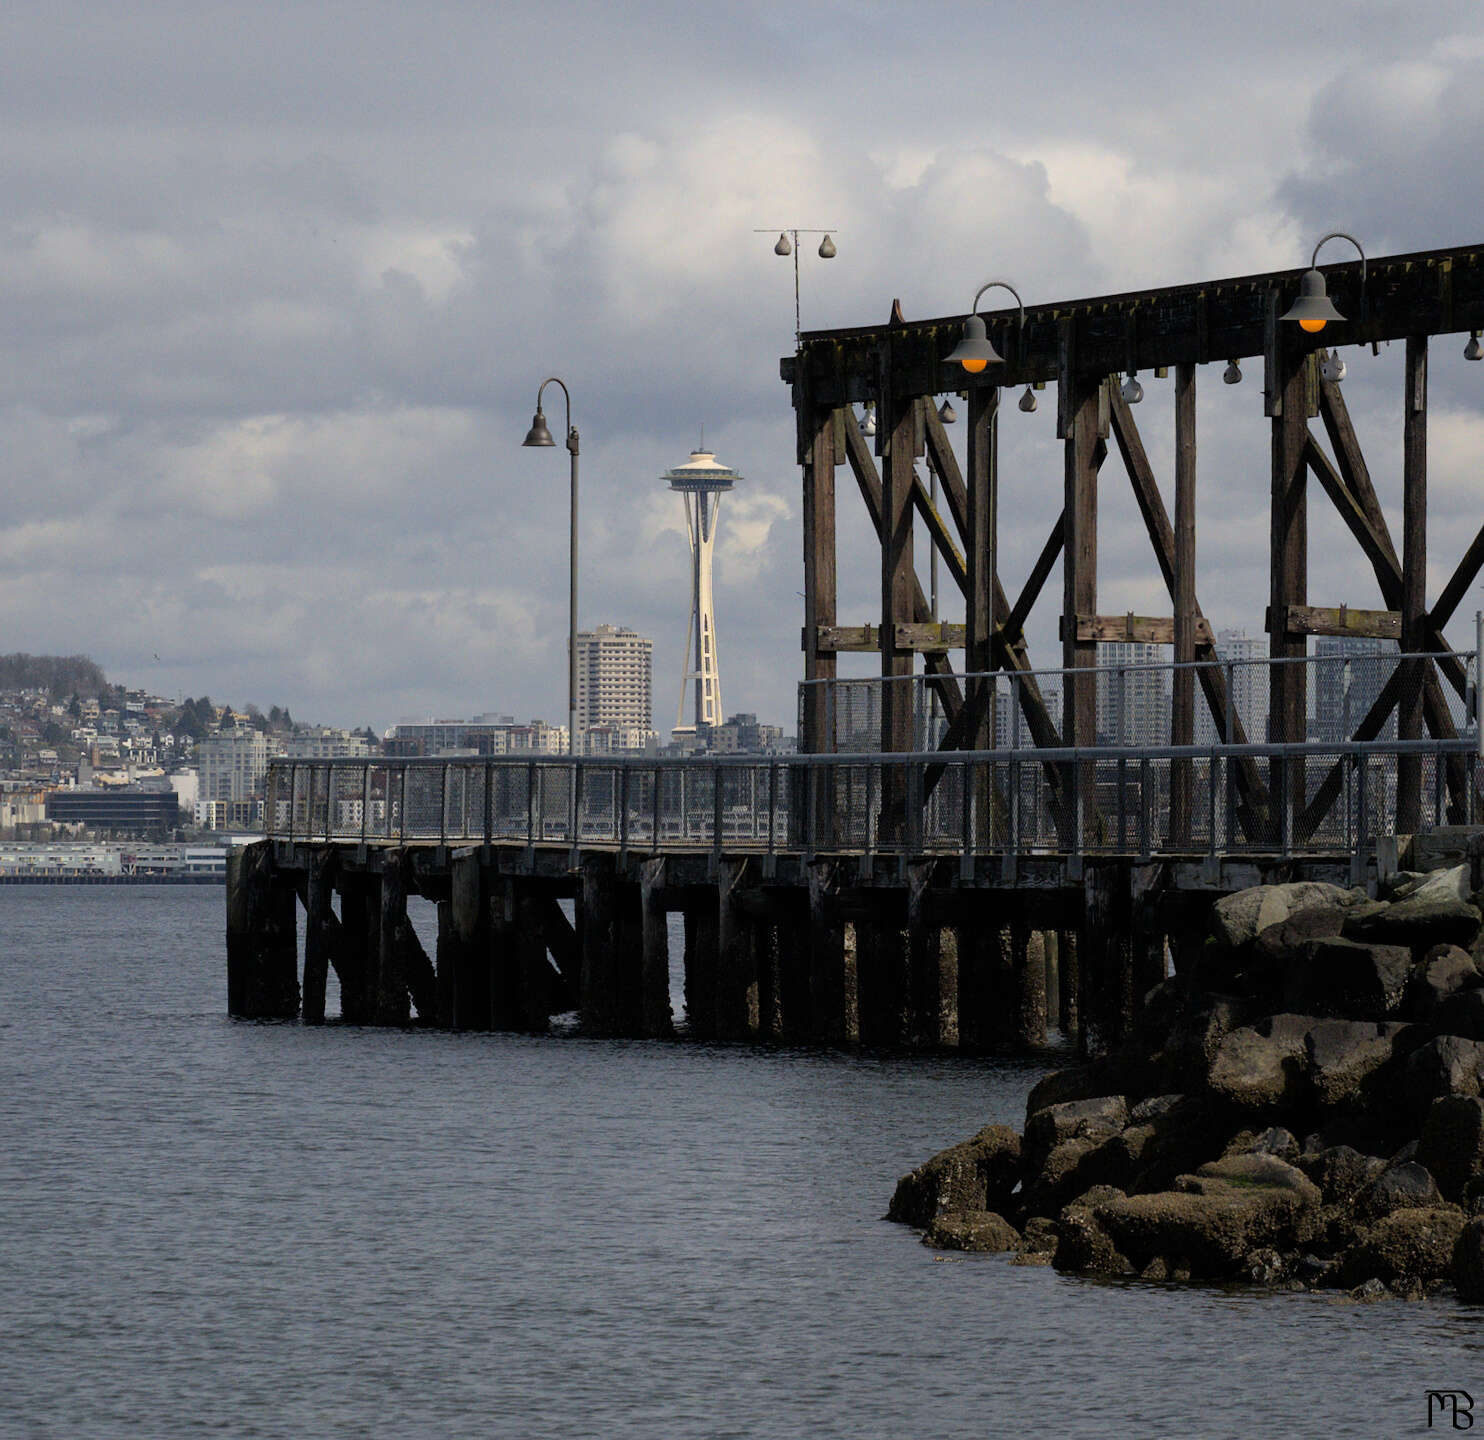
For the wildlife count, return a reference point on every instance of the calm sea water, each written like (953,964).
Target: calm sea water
(210,1227)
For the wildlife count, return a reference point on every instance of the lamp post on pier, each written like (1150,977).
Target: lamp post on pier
(539,435)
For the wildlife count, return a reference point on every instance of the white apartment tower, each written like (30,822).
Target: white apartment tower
(615,669)
(701,482)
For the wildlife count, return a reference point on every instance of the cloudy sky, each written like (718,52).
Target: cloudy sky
(278,283)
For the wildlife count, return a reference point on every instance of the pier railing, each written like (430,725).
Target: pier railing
(1268,799)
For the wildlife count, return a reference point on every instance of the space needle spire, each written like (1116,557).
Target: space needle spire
(701,482)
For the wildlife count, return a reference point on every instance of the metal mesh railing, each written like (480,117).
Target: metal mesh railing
(1262,799)
(1348,689)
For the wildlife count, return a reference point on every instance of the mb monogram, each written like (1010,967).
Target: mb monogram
(1457,1405)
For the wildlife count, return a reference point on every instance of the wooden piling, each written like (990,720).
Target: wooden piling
(262,942)
(320,931)
(655,961)
(736,957)
(701,926)
(826,958)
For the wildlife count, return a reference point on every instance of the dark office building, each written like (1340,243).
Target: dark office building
(136,812)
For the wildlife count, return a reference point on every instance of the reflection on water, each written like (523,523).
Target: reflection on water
(258,1229)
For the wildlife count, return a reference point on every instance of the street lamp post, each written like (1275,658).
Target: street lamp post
(540,435)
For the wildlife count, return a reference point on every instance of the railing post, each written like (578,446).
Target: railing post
(1122,800)
(1363,807)
(1212,800)
(445,781)
(716,809)
(402,815)
(1285,795)
(294,799)
(623,814)
(365,799)
(655,838)
(1145,846)
(772,806)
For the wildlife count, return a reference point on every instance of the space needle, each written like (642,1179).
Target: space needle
(701,482)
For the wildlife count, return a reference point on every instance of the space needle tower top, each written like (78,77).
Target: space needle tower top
(701,482)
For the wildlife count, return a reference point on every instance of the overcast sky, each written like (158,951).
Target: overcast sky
(278,283)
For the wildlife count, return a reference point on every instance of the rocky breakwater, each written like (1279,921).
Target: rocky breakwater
(1299,1106)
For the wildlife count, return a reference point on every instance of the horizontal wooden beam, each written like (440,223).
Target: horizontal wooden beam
(1433,292)
(929,636)
(1341,620)
(1140,629)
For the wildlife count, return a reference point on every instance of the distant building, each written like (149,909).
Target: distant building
(1249,687)
(1133,699)
(324,743)
(1349,673)
(483,735)
(127,810)
(615,679)
(232,765)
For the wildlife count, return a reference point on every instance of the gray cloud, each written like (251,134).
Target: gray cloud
(280,283)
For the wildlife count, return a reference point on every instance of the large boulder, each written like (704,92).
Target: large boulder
(976,1230)
(1461,1013)
(1436,911)
(1444,1065)
(1348,978)
(1406,1245)
(1342,1054)
(1237,920)
(1468,1261)
(1404,1186)
(1452,1142)
(1084,1247)
(1096,1119)
(1442,972)
(1216,1218)
(1340,1172)
(1261,1067)
(978,1174)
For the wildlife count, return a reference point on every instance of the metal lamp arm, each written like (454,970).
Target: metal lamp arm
(557,380)
(1340,235)
(1003,285)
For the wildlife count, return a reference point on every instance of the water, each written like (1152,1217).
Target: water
(212,1227)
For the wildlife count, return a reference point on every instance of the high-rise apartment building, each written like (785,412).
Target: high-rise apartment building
(1349,673)
(1133,698)
(1248,673)
(615,670)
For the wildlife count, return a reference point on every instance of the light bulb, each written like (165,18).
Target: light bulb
(827,249)
(1332,367)
(1028,400)
(1313,326)
(1132,391)
(783,247)
(1473,350)
(869,427)
(1233,373)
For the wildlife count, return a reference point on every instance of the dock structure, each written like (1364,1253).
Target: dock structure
(1026,864)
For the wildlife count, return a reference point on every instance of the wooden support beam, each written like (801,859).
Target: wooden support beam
(940,451)
(701,939)
(1147,629)
(864,469)
(1288,565)
(1210,319)
(920,636)
(897,440)
(1079,402)
(939,534)
(1458,583)
(1162,538)
(1338,620)
(1414,581)
(1014,626)
(819,573)
(1187,620)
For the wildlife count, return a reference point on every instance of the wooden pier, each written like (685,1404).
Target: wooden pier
(945,892)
